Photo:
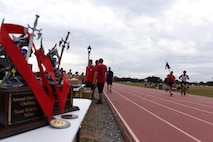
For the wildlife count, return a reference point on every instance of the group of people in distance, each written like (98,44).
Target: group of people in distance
(96,76)
(171,80)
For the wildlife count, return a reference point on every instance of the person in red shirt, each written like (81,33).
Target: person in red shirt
(170,82)
(89,76)
(100,75)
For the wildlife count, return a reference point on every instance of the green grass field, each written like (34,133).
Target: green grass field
(194,90)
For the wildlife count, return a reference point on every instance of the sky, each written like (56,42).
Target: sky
(135,38)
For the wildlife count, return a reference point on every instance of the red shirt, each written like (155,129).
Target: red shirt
(101,70)
(90,71)
(170,78)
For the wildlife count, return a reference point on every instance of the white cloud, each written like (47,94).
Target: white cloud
(134,38)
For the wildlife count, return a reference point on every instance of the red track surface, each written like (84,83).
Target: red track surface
(151,115)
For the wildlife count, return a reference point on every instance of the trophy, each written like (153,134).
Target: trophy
(27,102)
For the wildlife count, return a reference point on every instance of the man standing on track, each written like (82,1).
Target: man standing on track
(183,79)
(100,75)
(170,82)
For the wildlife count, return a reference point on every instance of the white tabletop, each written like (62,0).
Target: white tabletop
(76,89)
(49,134)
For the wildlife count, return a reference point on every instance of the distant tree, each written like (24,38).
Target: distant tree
(209,83)
(201,83)
(154,79)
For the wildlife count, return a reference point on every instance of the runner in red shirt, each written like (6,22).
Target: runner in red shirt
(170,82)
(100,75)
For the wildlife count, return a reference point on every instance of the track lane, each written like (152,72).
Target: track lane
(137,118)
(140,107)
(185,109)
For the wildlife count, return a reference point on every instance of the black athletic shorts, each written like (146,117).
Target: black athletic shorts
(100,87)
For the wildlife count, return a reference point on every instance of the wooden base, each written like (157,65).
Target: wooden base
(87,93)
(20,111)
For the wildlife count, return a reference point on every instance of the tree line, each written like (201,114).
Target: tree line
(155,79)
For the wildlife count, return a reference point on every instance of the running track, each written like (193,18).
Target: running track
(151,115)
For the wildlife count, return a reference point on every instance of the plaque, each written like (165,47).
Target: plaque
(23,107)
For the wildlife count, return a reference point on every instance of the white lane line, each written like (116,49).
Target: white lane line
(123,120)
(175,103)
(174,110)
(210,103)
(200,103)
(180,130)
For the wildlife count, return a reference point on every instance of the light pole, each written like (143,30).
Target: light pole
(89,50)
